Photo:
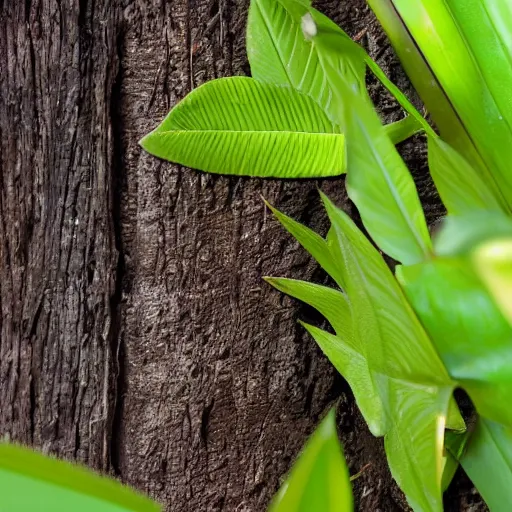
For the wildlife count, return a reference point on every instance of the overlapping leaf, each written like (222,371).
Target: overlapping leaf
(241,126)
(486,457)
(330,68)
(381,186)
(467,46)
(29,481)
(389,362)
(460,185)
(425,83)
(319,478)
(281,52)
(473,337)
(470,333)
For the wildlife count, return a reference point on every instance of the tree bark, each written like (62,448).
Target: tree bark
(136,333)
(58,253)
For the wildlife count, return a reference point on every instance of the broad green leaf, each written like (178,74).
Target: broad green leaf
(470,333)
(240,126)
(281,53)
(30,481)
(425,83)
(459,235)
(412,383)
(313,243)
(345,356)
(493,262)
(331,303)
(487,460)
(414,442)
(319,479)
(382,317)
(381,186)
(460,186)
(466,44)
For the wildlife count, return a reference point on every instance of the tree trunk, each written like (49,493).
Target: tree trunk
(136,333)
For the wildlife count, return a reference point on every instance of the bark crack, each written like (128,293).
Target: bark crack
(116,335)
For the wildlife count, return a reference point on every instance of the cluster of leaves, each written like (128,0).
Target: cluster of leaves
(404,342)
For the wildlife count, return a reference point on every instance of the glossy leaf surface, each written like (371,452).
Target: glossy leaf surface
(470,333)
(381,186)
(425,83)
(241,126)
(319,479)
(466,44)
(460,185)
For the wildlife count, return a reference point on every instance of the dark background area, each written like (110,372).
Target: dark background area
(136,333)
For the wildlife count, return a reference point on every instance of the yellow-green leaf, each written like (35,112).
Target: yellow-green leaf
(241,126)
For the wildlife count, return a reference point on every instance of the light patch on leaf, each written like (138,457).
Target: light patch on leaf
(308,26)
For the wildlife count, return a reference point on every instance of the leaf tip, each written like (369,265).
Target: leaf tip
(144,142)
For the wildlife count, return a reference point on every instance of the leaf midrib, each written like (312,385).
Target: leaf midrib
(396,196)
(248,132)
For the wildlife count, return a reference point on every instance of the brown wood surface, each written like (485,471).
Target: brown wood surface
(136,333)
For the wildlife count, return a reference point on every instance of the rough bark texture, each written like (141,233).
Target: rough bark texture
(136,333)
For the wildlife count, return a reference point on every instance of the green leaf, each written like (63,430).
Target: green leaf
(459,235)
(319,479)
(414,443)
(381,186)
(240,126)
(405,369)
(460,186)
(470,333)
(331,303)
(493,262)
(425,83)
(313,243)
(381,314)
(403,129)
(345,356)
(466,44)
(487,460)
(281,53)
(28,479)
